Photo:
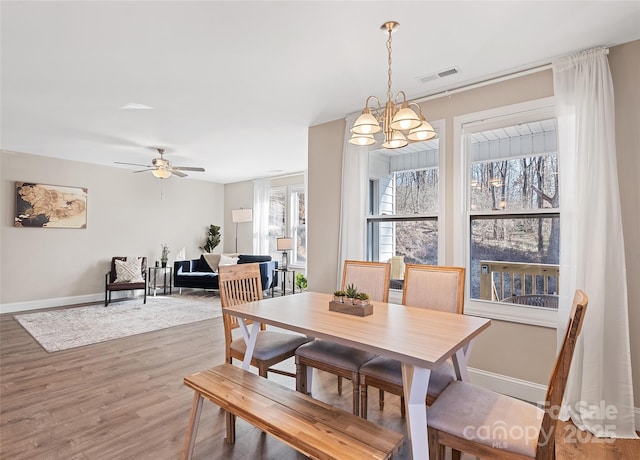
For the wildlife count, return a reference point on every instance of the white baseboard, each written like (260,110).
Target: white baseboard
(57,302)
(517,388)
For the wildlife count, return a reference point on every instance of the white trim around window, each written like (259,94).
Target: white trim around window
(461,242)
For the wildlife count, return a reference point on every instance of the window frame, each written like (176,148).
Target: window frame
(439,217)
(461,232)
(289,193)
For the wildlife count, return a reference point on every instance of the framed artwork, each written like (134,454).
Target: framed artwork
(51,206)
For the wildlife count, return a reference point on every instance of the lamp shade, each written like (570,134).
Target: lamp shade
(284,244)
(241,215)
(366,124)
(405,119)
(424,132)
(362,139)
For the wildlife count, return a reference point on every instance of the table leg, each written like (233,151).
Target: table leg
(460,359)
(415,381)
(250,339)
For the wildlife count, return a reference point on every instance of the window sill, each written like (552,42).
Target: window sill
(513,313)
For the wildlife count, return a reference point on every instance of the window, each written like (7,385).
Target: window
(287,217)
(510,212)
(404,206)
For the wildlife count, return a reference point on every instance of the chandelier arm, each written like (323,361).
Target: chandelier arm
(419,108)
(404,98)
(366,104)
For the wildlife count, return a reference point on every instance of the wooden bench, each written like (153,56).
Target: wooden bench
(312,427)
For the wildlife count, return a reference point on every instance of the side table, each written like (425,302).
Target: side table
(153,279)
(283,274)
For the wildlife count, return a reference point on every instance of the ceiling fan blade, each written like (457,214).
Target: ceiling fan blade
(178,173)
(186,168)
(144,170)
(133,164)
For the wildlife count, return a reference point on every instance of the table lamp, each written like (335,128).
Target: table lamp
(284,245)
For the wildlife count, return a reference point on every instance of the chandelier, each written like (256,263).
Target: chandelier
(400,123)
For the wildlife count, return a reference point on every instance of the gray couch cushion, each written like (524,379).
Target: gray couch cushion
(337,355)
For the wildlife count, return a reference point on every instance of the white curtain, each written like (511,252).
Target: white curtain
(353,233)
(261,195)
(599,394)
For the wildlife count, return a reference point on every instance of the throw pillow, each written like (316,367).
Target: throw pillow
(226,260)
(212,260)
(129,271)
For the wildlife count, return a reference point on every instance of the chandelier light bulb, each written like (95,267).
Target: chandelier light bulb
(424,132)
(362,139)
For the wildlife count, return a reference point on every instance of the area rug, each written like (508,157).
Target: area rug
(57,330)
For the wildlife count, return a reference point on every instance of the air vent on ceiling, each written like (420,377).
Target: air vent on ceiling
(442,74)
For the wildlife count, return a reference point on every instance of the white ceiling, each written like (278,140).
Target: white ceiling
(234,86)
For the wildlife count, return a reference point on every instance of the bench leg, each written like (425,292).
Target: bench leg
(192,429)
(231,428)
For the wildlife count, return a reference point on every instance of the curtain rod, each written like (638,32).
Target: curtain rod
(483,83)
(490,81)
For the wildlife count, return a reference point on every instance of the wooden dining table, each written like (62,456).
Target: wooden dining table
(422,339)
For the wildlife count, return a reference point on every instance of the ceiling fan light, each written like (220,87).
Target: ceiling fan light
(424,132)
(161,173)
(362,139)
(366,124)
(405,119)
(396,141)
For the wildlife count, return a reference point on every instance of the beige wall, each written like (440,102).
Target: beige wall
(515,350)
(324,185)
(624,61)
(128,214)
(238,195)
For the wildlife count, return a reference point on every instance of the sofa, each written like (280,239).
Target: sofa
(202,273)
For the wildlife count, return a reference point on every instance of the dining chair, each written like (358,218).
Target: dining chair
(241,284)
(341,360)
(471,419)
(425,286)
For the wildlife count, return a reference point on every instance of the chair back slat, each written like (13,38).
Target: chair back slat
(434,287)
(370,277)
(238,284)
(558,381)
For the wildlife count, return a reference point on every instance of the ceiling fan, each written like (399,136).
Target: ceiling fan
(162,168)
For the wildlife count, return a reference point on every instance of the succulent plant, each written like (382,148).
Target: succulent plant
(339,293)
(363,296)
(351,291)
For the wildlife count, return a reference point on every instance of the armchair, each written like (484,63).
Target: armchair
(126,275)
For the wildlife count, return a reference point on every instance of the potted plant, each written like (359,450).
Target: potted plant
(339,296)
(212,240)
(165,255)
(363,298)
(301,281)
(351,293)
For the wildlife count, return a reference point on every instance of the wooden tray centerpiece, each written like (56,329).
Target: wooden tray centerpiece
(351,302)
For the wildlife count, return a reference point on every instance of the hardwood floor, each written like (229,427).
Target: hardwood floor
(124,399)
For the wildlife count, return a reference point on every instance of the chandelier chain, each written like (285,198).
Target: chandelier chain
(389,93)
